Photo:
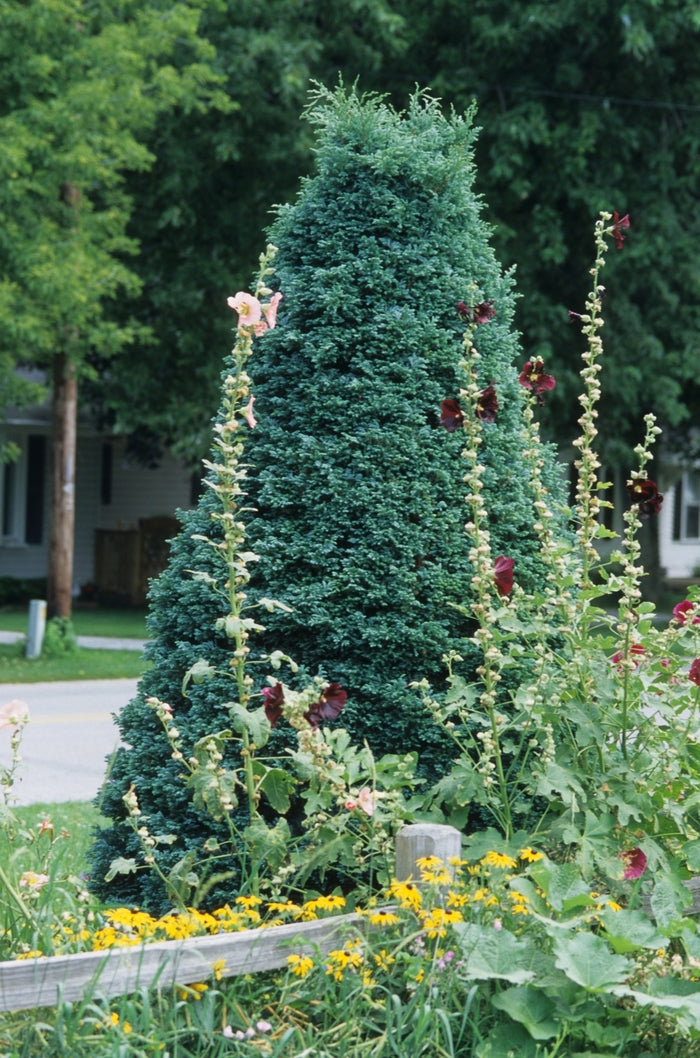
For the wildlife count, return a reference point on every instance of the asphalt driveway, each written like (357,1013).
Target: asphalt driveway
(68,739)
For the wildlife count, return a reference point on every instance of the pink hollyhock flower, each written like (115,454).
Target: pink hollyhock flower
(350,804)
(274,700)
(694,673)
(365,801)
(619,225)
(681,609)
(533,377)
(14,713)
(503,574)
(248,412)
(487,404)
(451,415)
(270,310)
(635,864)
(248,308)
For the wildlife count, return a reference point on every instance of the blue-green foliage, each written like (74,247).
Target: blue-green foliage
(358,490)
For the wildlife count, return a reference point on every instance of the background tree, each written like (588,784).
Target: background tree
(358,488)
(79,86)
(586,106)
(582,106)
(198,210)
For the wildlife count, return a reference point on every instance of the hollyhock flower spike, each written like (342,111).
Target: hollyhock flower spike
(694,673)
(487,404)
(503,574)
(644,492)
(635,864)
(451,415)
(681,611)
(533,377)
(619,225)
(274,701)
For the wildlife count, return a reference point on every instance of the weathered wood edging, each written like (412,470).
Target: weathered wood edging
(46,981)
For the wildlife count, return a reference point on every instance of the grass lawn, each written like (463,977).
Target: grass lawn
(73,823)
(122,623)
(83,664)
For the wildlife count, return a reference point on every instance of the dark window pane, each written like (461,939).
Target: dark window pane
(692,522)
(36,473)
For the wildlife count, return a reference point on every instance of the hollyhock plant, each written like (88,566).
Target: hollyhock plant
(503,574)
(487,404)
(533,377)
(451,415)
(619,225)
(644,492)
(635,864)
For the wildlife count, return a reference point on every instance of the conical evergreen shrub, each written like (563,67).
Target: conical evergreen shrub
(357,489)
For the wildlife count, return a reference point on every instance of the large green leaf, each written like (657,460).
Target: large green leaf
(531,1007)
(588,961)
(487,953)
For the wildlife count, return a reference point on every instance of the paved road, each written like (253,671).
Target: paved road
(68,739)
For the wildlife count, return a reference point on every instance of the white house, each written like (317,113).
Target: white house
(124,512)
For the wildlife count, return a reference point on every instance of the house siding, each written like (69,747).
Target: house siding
(137,493)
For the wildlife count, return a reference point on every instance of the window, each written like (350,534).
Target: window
(23,494)
(686,508)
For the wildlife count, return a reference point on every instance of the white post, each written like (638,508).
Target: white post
(418,840)
(37,624)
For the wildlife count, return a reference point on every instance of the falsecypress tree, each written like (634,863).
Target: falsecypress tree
(356,490)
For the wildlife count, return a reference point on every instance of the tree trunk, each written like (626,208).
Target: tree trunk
(65,412)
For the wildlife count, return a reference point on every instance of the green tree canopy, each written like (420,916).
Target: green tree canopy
(587,105)
(80,84)
(201,209)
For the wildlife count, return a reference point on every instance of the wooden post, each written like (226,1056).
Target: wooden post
(65,413)
(418,840)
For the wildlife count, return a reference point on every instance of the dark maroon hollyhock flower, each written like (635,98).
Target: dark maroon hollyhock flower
(487,404)
(274,700)
(481,313)
(574,315)
(619,225)
(451,415)
(694,672)
(533,377)
(635,864)
(644,492)
(503,574)
(329,706)
(681,609)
